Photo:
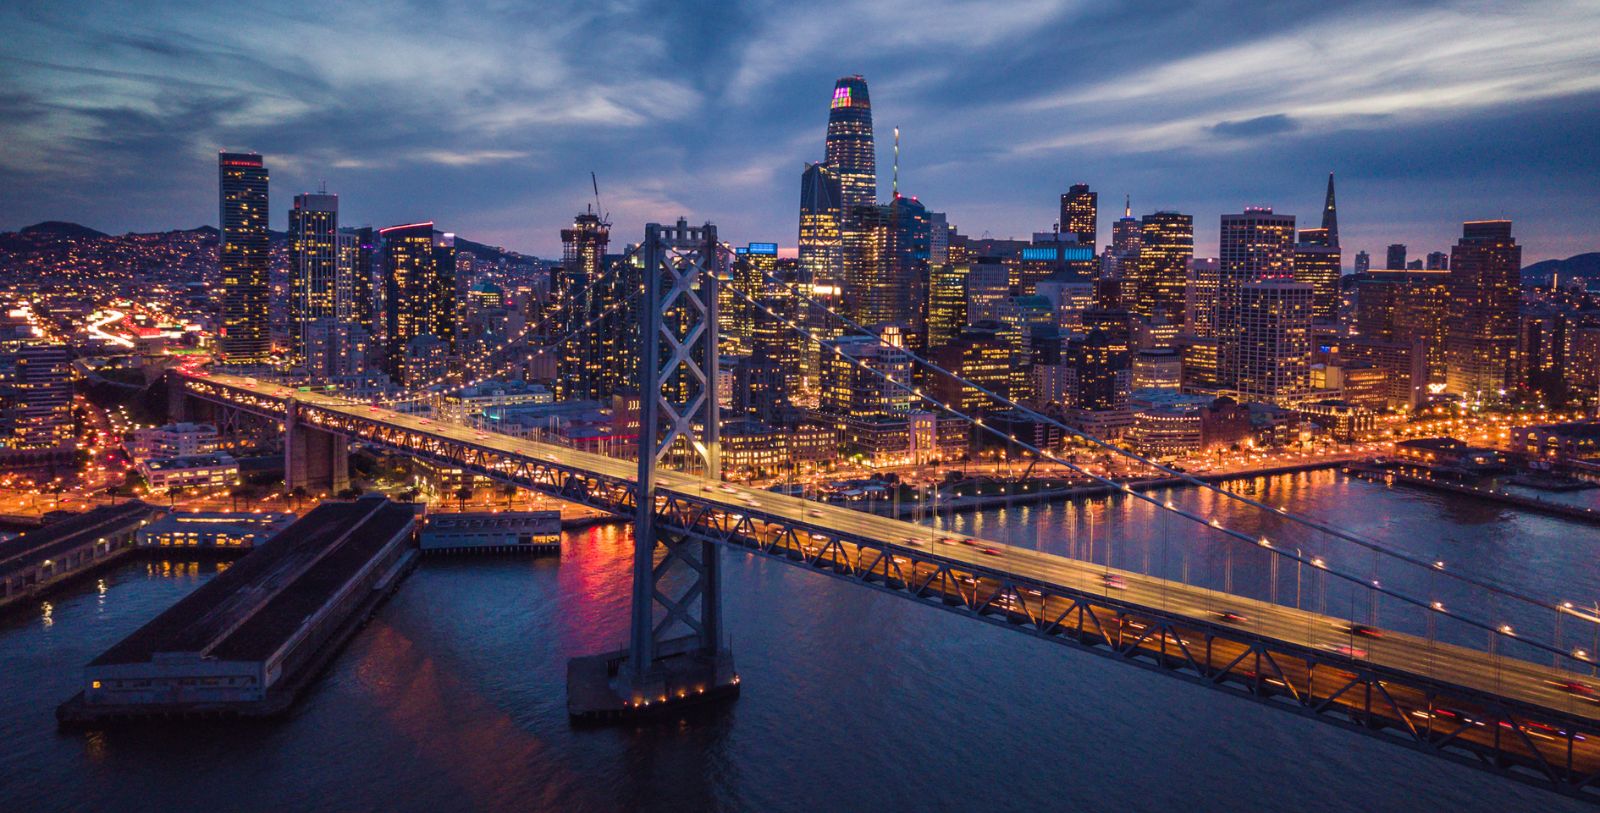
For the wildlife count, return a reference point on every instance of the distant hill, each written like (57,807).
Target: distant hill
(60,228)
(1585,266)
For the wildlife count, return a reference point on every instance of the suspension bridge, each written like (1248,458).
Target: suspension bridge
(1492,680)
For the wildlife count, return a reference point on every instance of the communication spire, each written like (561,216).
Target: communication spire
(894,185)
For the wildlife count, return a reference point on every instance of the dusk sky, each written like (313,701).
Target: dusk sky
(488,116)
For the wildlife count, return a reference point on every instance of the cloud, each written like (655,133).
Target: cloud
(489,114)
(1256,127)
(454,158)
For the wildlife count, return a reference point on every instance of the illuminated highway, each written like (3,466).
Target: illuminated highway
(1541,715)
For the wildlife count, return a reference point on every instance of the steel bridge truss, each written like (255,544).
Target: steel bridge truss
(1526,742)
(1529,743)
(677,599)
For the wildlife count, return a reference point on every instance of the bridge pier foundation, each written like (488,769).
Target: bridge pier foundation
(314,459)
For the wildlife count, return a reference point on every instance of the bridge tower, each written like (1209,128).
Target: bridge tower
(678,650)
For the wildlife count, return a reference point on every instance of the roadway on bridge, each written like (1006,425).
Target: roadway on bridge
(1490,674)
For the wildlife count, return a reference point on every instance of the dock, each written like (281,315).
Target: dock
(249,641)
(40,560)
(1420,478)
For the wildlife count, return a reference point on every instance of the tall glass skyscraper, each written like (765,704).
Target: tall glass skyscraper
(244,335)
(820,247)
(1165,249)
(850,150)
(820,276)
(314,268)
(419,286)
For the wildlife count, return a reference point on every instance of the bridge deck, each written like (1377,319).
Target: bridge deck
(1480,671)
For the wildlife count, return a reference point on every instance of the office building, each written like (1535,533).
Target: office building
(820,273)
(988,284)
(1080,212)
(1166,247)
(1202,284)
(1256,245)
(978,355)
(1407,308)
(365,268)
(1317,263)
(821,250)
(1485,294)
(858,376)
(947,302)
(851,153)
(172,440)
(1273,354)
(244,334)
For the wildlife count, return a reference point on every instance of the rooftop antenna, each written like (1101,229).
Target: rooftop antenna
(1127,206)
(895,185)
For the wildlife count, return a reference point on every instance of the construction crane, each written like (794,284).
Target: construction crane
(605,219)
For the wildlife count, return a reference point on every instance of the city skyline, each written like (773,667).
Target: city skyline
(1197,129)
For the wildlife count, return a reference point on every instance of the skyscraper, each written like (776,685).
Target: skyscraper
(1166,246)
(1363,262)
(363,270)
(244,335)
(1330,216)
(850,150)
(1255,245)
(1200,298)
(821,265)
(592,364)
(314,266)
(820,249)
(906,259)
(1273,359)
(752,266)
(1080,211)
(415,302)
(947,302)
(868,295)
(1317,262)
(1485,296)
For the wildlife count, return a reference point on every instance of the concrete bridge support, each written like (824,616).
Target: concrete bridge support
(314,459)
